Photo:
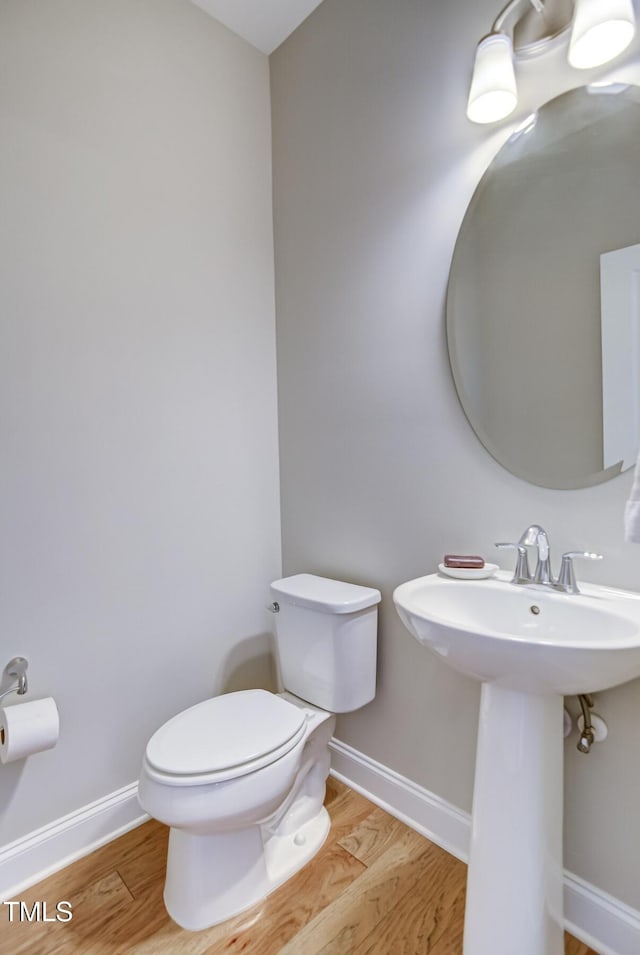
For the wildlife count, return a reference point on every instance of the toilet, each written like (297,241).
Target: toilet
(240,778)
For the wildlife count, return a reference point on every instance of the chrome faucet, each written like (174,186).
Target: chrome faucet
(536,536)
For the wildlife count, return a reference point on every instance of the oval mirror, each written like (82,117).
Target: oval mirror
(543,322)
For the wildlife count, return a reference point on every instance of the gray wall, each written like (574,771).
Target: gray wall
(139,507)
(374,165)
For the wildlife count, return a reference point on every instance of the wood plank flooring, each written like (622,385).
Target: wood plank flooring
(375,888)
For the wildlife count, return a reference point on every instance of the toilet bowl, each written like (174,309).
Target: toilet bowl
(240,778)
(237,830)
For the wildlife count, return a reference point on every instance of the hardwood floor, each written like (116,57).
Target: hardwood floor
(375,888)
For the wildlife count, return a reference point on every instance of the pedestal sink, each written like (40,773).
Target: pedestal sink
(529,646)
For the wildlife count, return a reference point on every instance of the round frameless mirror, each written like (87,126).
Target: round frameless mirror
(543,305)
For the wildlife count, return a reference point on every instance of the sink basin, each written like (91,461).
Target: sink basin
(529,646)
(526,638)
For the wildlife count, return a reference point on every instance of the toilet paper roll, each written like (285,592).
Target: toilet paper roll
(28,728)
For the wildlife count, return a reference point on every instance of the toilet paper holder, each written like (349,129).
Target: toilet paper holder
(15,672)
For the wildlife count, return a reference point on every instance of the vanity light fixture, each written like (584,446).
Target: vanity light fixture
(596,31)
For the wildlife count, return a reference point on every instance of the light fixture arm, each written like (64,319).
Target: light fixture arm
(533,24)
(510,14)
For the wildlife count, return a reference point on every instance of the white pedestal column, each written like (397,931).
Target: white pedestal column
(514,888)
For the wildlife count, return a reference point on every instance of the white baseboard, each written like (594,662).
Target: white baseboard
(436,819)
(46,850)
(604,923)
(607,925)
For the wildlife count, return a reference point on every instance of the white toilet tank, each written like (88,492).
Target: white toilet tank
(326,632)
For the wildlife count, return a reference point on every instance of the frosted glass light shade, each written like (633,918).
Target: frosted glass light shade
(601,30)
(493,93)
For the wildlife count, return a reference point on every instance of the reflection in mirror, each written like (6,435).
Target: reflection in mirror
(550,389)
(619,314)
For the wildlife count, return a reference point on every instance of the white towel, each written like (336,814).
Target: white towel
(632,510)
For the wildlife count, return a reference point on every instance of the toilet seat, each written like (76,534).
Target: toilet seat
(223,738)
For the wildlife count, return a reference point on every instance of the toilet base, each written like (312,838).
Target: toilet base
(286,854)
(211,878)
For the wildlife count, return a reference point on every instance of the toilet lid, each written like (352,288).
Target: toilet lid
(225,732)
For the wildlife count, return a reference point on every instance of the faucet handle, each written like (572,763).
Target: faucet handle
(567,577)
(522,574)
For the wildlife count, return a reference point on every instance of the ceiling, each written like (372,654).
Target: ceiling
(264,23)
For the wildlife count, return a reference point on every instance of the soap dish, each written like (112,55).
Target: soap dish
(469,573)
